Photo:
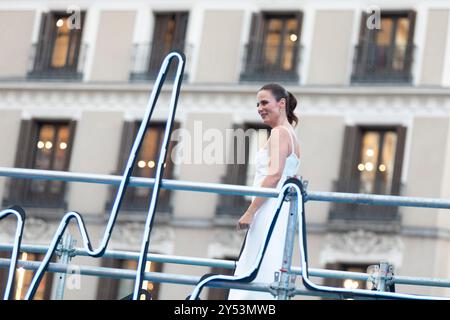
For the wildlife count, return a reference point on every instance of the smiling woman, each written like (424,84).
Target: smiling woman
(275,162)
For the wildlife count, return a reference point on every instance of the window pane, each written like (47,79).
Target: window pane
(290,41)
(169,35)
(24,277)
(147,159)
(351,283)
(61,48)
(50,154)
(384,35)
(272,41)
(401,41)
(60,156)
(44,147)
(402,32)
(43,157)
(369,163)
(386,167)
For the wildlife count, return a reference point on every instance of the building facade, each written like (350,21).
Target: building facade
(372,80)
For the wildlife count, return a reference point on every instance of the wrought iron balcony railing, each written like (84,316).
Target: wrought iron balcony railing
(377,63)
(345,216)
(271,63)
(146,61)
(40,65)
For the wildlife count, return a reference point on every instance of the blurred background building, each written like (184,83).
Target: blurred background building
(374,118)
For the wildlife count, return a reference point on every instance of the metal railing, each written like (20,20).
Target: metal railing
(145,60)
(343,217)
(40,65)
(221,189)
(262,62)
(382,63)
(293,190)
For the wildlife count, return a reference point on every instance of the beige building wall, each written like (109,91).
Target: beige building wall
(94,151)
(321,139)
(16,28)
(436,39)
(331,47)
(220,46)
(113,47)
(444,214)
(426,166)
(10,123)
(197,205)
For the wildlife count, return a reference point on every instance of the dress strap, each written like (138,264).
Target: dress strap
(292,140)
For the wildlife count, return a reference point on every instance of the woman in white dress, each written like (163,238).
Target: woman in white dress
(278,160)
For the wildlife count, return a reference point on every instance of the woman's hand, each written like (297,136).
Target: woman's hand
(245,221)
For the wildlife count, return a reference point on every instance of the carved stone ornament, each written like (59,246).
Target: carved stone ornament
(128,236)
(36,231)
(362,246)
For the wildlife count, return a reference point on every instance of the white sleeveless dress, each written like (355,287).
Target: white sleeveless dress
(273,256)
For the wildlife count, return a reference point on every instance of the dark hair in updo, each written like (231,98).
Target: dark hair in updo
(291,103)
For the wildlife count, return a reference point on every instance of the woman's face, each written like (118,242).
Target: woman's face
(269,108)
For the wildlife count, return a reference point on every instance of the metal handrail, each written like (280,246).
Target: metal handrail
(227,189)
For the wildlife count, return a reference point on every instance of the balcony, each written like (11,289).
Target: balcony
(146,61)
(45,65)
(380,64)
(35,194)
(263,62)
(346,216)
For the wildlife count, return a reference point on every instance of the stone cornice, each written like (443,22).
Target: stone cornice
(70,99)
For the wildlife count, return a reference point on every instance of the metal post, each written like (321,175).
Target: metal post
(283,281)
(65,252)
(383,275)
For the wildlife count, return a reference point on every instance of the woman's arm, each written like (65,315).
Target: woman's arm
(278,152)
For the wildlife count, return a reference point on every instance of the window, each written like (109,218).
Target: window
(247,140)
(23,278)
(274,47)
(169,34)
(385,54)
(348,283)
(116,289)
(138,198)
(56,55)
(372,167)
(42,145)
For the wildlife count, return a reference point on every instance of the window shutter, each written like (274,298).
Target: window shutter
(412,25)
(235,174)
(126,142)
(181,21)
(4,271)
(254,47)
(399,155)
(23,159)
(158,50)
(363,44)
(72,131)
(350,153)
(297,52)
(410,46)
(363,31)
(75,41)
(43,47)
